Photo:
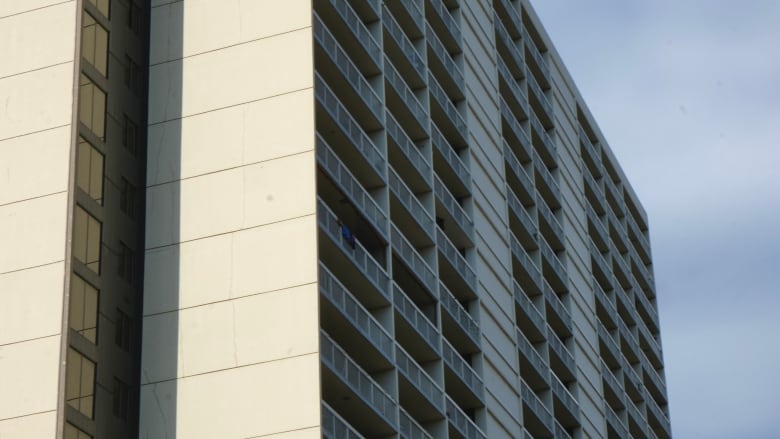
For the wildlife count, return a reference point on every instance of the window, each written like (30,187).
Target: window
(86,239)
(135,17)
(102,6)
(73,432)
(80,383)
(133,78)
(121,399)
(127,198)
(123,328)
(125,270)
(83,309)
(94,43)
(129,135)
(92,107)
(89,170)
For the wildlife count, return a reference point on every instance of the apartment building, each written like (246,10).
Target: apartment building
(328,218)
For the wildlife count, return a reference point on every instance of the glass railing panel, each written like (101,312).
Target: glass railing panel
(449,109)
(606,303)
(462,423)
(519,210)
(412,259)
(590,150)
(410,150)
(406,95)
(335,427)
(518,94)
(347,68)
(653,407)
(444,56)
(450,156)
(629,374)
(640,242)
(655,377)
(344,179)
(457,261)
(459,314)
(534,88)
(557,346)
(366,264)
(547,177)
(613,383)
(655,347)
(614,197)
(359,30)
(615,422)
(513,15)
(535,404)
(414,12)
(556,304)
(597,224)
(600,260)
(533,357)
(645,276)
(518,170)
(462,369)
(560,432)
(618,262)
(355,313)
(517,129)
(452,206)
(606,337)
(565,396)
(403,42)
(358,380)
(525,261)
(529,308)
(554,261)
(409,428)
(415,318)
(421,380)
(549,147)
(550,218)
(595,188)
(513,51)
(444,15)
(411,203)
(536,54)
(351,129)
(636,416)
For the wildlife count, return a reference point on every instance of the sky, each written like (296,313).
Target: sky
(687,94)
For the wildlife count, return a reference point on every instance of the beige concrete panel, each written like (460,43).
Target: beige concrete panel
(37,426)
(36,100)
(32,232)
(275,256)
(37,39)
(283,396)
(229,76)
(29,372)
(31,303)
(258,131)
(211,25)
(232,333)
(34,165)
(12,7)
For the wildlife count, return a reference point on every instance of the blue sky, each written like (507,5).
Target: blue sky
(687,93)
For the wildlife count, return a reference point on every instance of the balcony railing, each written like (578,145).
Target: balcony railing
(554,261)
(655,377)
(335,427)
(462,369)
(451,205)
(458,262)
(411,203)
(563,394)
(537,92)
(406,95)
(365,263)
(444,15)
(416,319)
(630,375)
(409,149)
(513,51)
(613,383)
(448,108)
(517,130)
(412,259)
(530,353)
(518,170)
(595,189)
(663,420)
(347,68)
(414,12)
(640,243)
(419,378)
(459,314)
(563,354)
(462,423)
(348,184)
(358,380)
(444,56)
(537,407)
(652,343)
(531,229)
(359,30)
(513,15)
(601,232)
(596,255)
(355,313)
(536,55)
(560,432)
(605,302)
(590,150)
(409,428)
(526,263)
(450,156)
(349,126)
(636,416)
(609,342)
(406,46)
(518,94)
(615,422)
(556,305)
(548,179)
(530,310)
(550,218)
(616,198)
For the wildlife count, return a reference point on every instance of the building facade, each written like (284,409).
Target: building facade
(328,218)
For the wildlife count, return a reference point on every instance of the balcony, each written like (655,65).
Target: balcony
(641,244)
(452,123)
(594,193)
(335,427)
(364,271)
(549,187)
(421,388)
(455,170)
(619,267)
(408,109)
(649,344)
(517,132)
(353,138)
(459,316)
(420,230)
(466,376)
(403,52)
(635,416)
(644,276)
(555,270)
(451,212)
(617,232)
(449,73)
(359,318)
(632,381)
(538,59)
(457,263)
(510,49)
(522,222)
(420,325)
(609,343)
(530,356)
(542,102)
(614,198)
(512,14)
(510,87)
(525,189)
(525,271)
(559,315)
(408,427)
(364,48)
(591,154)
(615,423)
(560,432)
(657,384)
(351,187)
(563,355)
(551,223)
(609,315)
(444,24)
(625,305)
(463,425)
(657,418)
(604,272)
(596,229)
(629,346)
(611,383)
(410,157)
(371,409)
(353,82)
(543,422)
(412,259)
(567,401)
(530,312)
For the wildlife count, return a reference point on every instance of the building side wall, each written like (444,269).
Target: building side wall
(230,295)
(36,86)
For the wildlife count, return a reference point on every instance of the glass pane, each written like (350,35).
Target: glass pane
(93,245)
(102,6)
(92,106)
(89,170)
(94,43)
(86,239)
(80,235)
(80,382)
(96,176)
